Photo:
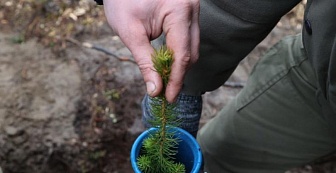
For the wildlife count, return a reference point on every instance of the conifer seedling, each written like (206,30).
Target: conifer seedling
(160,148)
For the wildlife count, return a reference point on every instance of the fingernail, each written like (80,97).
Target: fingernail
(150,87)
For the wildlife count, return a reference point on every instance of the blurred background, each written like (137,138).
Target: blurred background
(71,92)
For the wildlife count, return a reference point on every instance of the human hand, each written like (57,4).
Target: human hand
(138,22)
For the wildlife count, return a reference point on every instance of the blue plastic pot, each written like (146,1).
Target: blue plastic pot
(189,152)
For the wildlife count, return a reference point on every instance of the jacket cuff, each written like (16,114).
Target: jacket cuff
(99,2)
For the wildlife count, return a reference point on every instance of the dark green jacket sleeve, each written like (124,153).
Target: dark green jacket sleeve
(319,38)
(230,29)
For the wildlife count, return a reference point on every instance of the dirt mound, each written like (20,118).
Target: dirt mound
(38,103)
(78,112)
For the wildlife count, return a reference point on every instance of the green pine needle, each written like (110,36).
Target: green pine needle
(163,61)
(144,163)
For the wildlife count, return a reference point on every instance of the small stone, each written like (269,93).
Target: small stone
(11,131)
(114,118)
(73,141)
(98,131)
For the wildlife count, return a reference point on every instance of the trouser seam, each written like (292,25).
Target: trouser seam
(280,75)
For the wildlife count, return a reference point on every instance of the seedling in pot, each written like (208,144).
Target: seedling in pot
(160,148)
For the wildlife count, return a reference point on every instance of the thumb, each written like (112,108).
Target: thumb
(143,56)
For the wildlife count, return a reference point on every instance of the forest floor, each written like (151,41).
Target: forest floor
(68,106)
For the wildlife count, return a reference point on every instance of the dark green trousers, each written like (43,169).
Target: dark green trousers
(278,121)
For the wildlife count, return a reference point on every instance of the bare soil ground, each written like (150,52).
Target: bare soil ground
(69,108)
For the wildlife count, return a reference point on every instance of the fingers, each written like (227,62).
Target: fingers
(178,39)
(182,34)
(142,50)
(128,20)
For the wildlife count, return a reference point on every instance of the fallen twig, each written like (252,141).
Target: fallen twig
(99,48)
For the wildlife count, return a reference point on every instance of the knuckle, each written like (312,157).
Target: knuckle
(175,83)
(184,4)
(144,66)
(186,60)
